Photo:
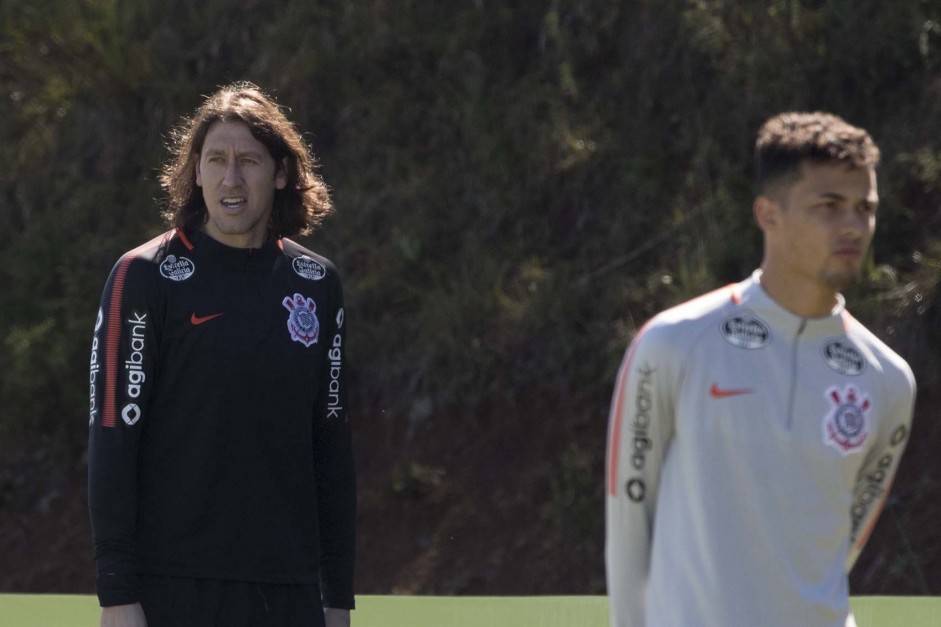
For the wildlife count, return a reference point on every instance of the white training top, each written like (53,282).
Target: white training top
(749,454)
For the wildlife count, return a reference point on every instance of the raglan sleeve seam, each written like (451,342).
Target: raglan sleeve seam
(640,431)
(123,358)
(336,483)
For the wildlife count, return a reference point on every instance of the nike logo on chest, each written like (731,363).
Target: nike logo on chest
(197,320)
(716,392)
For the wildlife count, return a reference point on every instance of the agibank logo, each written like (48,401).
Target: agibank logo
(93,369)
(134,366)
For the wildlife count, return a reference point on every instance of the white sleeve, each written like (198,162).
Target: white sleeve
(875,477)
(639,432)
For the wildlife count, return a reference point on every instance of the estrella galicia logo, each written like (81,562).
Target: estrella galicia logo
(843,357)
(302,319)
(177,268)
(309,268)
(846,425)
(745,330)
(340,316)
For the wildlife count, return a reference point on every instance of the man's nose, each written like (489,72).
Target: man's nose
(233,174)
(856,222)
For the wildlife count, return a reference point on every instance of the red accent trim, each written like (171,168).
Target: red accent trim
(281,244)
(109,414)
(733,295)
(864,537)
(184,239)
(617,415)
(847,320)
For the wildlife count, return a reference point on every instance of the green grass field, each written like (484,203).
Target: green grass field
(53,610)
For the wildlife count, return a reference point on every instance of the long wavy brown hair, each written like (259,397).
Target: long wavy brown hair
(298,208)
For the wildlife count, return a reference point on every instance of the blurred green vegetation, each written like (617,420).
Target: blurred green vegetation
(519,186)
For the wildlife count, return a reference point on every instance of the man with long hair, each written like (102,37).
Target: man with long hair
(755,430)
(220,468)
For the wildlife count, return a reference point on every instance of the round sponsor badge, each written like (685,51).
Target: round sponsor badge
(843,357)
(309,268)
(745,330)
(177,268)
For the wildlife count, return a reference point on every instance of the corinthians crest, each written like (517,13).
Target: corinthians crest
(846,426)
(302,319)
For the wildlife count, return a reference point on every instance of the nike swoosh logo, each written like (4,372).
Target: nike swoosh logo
(716,392)
(197,320)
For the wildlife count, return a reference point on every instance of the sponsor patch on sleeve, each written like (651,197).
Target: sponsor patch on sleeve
(177,268)
(745,330)
(843,357)
(308,268)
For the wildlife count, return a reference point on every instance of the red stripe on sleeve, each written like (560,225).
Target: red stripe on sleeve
(616,418)
(614,437)
(617,415)
(847,318)
(112,343)
(864,536)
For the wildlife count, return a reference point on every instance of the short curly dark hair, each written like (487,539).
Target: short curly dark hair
(298,208)
(790,138)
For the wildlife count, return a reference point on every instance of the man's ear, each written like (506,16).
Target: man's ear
(199,178)
(281,176)
(767,212)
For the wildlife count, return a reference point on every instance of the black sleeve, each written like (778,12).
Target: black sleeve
(336,480)
(121,376)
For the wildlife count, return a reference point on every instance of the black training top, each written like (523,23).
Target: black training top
(219,441)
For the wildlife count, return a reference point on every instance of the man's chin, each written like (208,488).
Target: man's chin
(843,279)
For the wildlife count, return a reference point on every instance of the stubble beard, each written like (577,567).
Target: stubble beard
(239,224)
(840,280)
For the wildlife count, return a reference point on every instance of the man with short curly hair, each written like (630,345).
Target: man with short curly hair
(755,430)
(221,480)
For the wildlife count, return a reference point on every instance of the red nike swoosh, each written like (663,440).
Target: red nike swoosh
(716,392)
(201,319)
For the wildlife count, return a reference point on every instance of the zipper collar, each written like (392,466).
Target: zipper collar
(751,295)
(232,257)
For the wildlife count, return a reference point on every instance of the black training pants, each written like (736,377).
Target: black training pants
(185,602)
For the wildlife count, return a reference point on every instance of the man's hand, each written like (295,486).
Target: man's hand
(336,618)
(123,616)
